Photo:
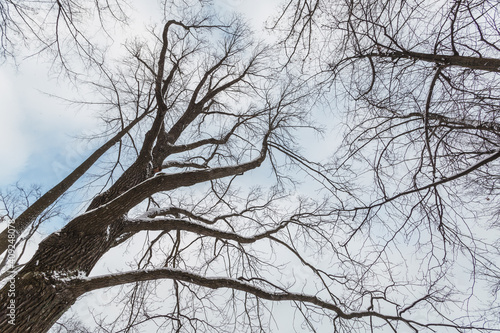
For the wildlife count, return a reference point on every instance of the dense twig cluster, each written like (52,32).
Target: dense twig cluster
(405,236)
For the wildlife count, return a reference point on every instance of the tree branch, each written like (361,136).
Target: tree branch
(33,211)
(162,182)
(484,64)
(141,224)
(444,180)
(81,286)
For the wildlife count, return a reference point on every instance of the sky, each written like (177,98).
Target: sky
(39,134)
(37,131)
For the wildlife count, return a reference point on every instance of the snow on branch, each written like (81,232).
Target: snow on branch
(83,285)
(140,224)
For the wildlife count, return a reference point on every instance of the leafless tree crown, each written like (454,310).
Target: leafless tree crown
(207,202)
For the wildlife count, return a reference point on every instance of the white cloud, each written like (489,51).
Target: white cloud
(257,11)
(35,129)
(13,141)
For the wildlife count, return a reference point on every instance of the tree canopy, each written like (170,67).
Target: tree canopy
(337,174)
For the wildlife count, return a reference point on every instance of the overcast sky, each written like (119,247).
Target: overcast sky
(37,131)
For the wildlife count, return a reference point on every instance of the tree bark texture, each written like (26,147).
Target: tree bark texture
(42,294)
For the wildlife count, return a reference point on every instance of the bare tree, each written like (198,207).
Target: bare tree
(209,201)
(200,104)
(421,81)
(58,31)
(58,28)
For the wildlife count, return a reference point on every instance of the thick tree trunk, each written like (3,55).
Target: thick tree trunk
(38,304)
(40,293)
(33,211)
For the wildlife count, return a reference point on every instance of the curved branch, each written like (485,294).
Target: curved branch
(141,224)
(208,141)
(463,123)
(81,286)
(161,182)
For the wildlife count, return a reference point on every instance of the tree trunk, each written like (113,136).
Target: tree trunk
(42,294)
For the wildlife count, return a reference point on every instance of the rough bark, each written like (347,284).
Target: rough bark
(76,248)
(484,64)
(32,212)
